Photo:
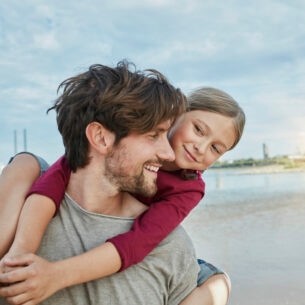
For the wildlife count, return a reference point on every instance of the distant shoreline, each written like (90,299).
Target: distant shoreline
(264,169)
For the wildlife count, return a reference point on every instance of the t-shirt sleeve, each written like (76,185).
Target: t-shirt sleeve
(53,182)
(176,199)
(184,279)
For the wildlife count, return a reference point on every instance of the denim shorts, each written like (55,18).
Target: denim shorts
(43,164)
(206,271)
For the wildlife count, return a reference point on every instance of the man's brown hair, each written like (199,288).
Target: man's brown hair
(122,99)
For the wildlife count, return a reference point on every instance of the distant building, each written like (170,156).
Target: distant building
(265,151)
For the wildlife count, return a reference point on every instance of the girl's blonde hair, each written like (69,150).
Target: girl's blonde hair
(218,101)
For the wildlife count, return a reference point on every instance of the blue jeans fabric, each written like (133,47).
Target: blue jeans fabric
(206,271)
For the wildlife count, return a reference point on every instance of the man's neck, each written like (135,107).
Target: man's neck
(94,193)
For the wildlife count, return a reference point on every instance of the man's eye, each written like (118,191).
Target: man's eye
(154,136)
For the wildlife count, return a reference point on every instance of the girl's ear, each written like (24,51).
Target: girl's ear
(99,137)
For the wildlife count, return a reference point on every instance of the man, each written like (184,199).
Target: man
(114,125)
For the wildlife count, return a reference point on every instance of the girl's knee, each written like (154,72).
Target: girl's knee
(219,286)
(23,165)
(227,282)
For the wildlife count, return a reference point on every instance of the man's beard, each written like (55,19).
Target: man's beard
(136,185)
(120,177)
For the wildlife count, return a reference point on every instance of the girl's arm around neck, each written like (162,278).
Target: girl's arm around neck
(176,198)
(53,182)
(35,216)
(45,278)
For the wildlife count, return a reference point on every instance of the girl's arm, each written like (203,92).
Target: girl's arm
(176,198)
(37,279)
(53,182)
(15,181)
(35,216)
(38,210)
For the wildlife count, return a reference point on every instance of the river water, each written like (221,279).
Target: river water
(253,226)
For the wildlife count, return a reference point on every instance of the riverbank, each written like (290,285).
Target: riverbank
(265,169)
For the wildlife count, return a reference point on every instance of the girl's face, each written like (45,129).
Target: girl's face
(199,138)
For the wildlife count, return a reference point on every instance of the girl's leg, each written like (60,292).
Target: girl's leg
(214,291)
(214,286)
(15,181)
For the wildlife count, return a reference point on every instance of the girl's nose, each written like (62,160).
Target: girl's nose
(201,147)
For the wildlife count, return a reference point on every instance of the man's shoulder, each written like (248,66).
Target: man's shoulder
(178,243)
(180,235)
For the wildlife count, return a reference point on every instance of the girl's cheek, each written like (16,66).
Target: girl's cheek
(209,160)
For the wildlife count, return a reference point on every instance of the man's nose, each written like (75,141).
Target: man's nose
(166,152)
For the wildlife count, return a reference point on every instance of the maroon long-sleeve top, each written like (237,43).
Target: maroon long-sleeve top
(175,198)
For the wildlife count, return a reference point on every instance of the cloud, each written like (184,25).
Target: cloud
(253,50)
(46,41)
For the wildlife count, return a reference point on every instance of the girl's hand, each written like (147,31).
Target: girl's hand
(33,279)
(12,253)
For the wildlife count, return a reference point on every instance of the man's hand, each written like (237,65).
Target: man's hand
(31,281)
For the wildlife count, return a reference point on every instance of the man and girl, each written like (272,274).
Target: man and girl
(130,138)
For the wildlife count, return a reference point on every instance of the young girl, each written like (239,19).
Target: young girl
(212,125)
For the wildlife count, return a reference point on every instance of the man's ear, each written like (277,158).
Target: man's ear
(99,137)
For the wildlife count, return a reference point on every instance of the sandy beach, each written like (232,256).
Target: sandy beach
(258,242)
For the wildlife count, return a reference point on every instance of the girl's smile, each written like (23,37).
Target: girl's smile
(199,138)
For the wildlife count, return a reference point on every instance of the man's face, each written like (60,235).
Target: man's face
(132,164)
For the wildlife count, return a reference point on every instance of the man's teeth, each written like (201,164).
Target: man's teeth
(152,168)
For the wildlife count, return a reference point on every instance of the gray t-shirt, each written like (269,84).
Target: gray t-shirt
(166,276)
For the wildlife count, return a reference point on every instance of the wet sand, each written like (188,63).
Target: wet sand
(261,245)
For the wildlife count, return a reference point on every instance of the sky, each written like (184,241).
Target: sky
(253,50)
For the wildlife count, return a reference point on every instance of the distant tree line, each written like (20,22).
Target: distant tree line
(285,161)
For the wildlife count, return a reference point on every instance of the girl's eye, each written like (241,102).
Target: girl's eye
(198,129)
(216,149)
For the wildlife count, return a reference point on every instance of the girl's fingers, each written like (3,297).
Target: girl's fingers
(16,290)
(19,260)
(19,299)
(13,276)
